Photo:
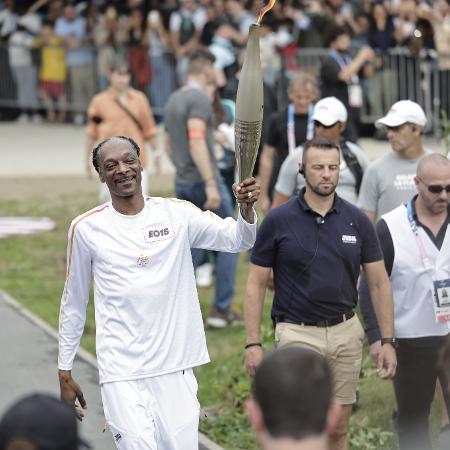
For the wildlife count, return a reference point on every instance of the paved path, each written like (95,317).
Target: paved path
(50,150)
(28,363)
(28,352)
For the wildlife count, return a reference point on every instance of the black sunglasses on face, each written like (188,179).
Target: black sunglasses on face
(321,125)
(436,188)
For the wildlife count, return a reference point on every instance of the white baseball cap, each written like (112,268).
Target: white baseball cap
(404,111)
(329,110)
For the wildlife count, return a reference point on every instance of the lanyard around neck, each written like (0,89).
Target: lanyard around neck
(342,60)
(415,229)
(292,143)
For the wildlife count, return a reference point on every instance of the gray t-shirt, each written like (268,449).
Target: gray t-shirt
(387,183)
(184,104)
(290,182)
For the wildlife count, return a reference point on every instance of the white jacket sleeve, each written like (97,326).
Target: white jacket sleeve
(209,231)
(75,297)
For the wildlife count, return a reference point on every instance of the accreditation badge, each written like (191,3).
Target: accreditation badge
(441,289)
(355,95)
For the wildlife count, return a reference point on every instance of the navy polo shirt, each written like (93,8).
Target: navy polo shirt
(316,260)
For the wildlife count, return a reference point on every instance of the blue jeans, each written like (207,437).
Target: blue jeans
(226,263)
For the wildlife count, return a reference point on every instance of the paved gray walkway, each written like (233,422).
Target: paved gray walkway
(28,364)
(28,353)
(50,149)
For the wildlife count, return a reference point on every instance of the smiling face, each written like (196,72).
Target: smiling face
(120,168)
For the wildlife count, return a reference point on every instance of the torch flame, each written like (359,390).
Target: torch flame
(266,8)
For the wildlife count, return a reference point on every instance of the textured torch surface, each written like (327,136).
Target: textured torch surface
(249,107)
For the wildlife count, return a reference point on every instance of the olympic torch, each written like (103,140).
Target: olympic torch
(249,102)
(249,107)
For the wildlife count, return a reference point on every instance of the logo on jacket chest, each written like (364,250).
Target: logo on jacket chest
(349,239)
(142,260)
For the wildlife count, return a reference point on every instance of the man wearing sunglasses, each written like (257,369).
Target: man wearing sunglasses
(389,181)
(330,120)
(415,238)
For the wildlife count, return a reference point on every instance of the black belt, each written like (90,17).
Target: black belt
(321,323)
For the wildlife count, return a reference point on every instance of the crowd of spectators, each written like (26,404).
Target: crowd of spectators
(59,52)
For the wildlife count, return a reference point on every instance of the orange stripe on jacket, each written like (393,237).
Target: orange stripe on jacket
(72,236)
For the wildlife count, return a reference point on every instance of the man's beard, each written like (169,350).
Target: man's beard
(320,192)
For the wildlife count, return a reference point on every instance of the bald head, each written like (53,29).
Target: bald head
(432,182)
(429,163)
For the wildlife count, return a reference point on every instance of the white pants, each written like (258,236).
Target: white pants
(157,413)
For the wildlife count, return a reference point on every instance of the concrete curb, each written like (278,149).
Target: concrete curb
(208,443)
(82,353)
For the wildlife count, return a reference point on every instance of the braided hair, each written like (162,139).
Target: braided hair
(100,145)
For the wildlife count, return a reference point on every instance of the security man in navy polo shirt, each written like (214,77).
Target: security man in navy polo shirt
(315,244)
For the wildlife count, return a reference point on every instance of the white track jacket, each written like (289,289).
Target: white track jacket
(147,312)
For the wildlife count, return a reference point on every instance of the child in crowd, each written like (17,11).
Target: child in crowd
(52,73)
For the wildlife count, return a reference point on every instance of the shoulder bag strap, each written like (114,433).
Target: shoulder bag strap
(353,164)
(130,114)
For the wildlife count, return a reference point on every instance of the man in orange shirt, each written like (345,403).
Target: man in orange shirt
(120,110)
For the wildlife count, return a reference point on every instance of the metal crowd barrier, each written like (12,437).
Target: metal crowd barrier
(9,92)
(399,74)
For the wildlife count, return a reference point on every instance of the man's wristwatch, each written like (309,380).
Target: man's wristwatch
(389,340)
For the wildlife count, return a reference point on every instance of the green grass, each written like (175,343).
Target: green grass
(32,269)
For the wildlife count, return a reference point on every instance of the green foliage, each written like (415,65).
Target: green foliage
(225,421)
(230,429)
(363,436)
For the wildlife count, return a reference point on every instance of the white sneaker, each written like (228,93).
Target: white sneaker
(203,275)
(78,120)
(23,118)
(36,118)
